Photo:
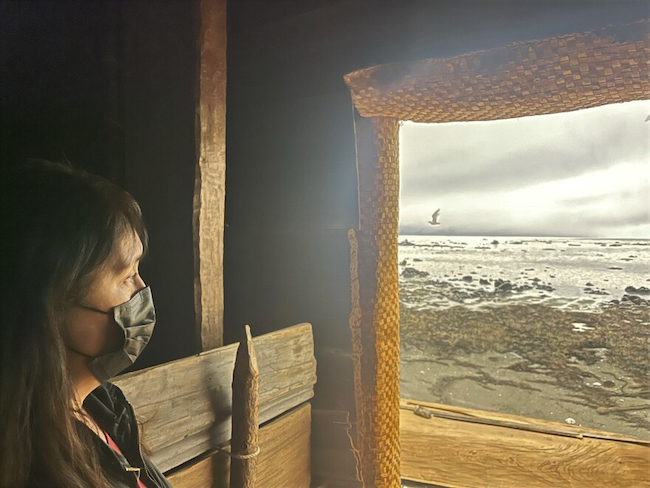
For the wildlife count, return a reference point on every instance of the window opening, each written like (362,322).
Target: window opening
(529,292)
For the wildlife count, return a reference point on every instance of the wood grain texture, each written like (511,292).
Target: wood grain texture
(245,428)
(186,404)
(456,453)
(284,459)
(208,211)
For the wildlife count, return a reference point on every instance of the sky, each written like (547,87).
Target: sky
(576,174)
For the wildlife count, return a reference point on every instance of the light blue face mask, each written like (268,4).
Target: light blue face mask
(137,319)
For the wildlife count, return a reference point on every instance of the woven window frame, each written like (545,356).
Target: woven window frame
(551,75)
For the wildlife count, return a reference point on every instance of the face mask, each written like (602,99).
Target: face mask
(137,319)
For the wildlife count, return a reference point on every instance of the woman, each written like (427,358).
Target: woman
(74,313)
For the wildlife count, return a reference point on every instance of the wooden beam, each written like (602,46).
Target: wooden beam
(209,184)
(284,459)
(186,404)
(458,453)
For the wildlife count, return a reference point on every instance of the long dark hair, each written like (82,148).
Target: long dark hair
(58,225)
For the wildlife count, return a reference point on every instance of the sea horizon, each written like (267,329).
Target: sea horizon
(521,236)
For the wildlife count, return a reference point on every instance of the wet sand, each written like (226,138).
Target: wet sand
(529,359)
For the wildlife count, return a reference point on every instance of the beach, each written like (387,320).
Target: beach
(550,328)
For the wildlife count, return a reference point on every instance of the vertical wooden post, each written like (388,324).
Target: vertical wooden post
(209,185)
(244,446)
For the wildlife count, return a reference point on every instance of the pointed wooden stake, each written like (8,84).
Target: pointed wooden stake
(245,407)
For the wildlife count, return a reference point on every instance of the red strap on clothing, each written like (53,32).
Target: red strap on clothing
(114,446)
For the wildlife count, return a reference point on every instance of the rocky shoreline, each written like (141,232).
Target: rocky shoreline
(525,347)
(497,290)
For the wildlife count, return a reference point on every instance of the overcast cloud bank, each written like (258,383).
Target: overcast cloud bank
(582,174)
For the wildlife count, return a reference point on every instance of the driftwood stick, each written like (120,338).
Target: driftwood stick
(245,407)
(480,418)
(428,413)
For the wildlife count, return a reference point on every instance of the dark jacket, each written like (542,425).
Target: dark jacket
(111,410)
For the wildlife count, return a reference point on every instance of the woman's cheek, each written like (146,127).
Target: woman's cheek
(114,337)
(90,333)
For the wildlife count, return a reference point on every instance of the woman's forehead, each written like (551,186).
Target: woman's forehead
(127,252)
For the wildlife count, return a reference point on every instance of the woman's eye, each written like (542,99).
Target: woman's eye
(131,277)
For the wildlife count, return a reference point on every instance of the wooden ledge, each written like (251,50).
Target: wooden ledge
(457,452)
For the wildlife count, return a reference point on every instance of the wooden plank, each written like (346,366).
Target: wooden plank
(186,404)
(209,184)
(335,462)
(456,453)
(284,459)
(209,471)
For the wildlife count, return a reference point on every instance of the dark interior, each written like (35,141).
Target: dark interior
(112,86)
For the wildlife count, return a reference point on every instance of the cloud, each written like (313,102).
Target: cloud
(579,173)
(505,155)
(638,217)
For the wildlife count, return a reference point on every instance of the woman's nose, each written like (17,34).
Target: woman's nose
(139,283)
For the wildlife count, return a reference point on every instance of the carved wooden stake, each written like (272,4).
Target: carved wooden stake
(245,406)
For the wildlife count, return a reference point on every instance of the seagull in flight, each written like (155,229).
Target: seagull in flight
(434,218)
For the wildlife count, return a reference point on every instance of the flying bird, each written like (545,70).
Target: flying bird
(434,218)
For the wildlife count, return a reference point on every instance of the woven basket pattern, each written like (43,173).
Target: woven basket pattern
(375,299)
(538,77)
